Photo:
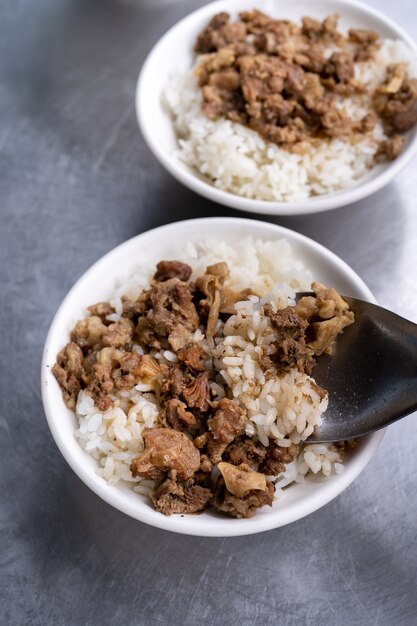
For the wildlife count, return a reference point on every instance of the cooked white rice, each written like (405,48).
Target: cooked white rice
(236,159)
(285,409)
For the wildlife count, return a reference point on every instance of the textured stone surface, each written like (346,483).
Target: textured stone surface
(76,180)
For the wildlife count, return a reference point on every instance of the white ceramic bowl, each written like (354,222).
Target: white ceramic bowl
(99,282)
(174,52)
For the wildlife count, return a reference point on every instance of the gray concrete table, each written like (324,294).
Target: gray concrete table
(76,180)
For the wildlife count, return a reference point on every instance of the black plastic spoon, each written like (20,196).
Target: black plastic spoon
(371,376)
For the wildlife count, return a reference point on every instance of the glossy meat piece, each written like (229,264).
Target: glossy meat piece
(171,497)
(240,491)
(166,449)
(228,421)
(172,269)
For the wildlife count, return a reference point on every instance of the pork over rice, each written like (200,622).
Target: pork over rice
(195,382)
(275,110)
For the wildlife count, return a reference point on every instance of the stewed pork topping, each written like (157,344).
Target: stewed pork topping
(199,454)
(285,80)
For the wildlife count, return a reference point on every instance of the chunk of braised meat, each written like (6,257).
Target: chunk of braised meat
(101,310)
(218,298)
(172,269)
(285,136)
(127,374)
(151,372)
(219,103)
(206,465)
(89,360)
(290,342)
(174,381)
(204,41)
(245,450)
(88,332)
(209,285)
(101,385)
(132,309)
(130,362)
(213,65)
(69,372)
(229,35)
(192,356)
(166,449)
(340,65)
(239,491)
(171,497)
(226,79)
(326,331)
(276,459)
(197,393)
(311,59)
(228,422)
(396,100)
(229,297)
(329,302)
(313,97)
(119,334)
(179,336)
(307,307)
(240,480)
(269,460)
(262,76)
(220,33)
(215,449)
(201,440)
(391,148)
(362,36)
(170,316)
(220,270)
(334,315)
(257,21)
(336,123)
(367,43)
(325,31)
(276,110)
(177,416)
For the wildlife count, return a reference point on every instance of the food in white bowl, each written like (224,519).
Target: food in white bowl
(270,106)
(198,377)
(265,114)
(225,365)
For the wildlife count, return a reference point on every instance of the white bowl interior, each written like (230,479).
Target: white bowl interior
(98,284)
(174,52)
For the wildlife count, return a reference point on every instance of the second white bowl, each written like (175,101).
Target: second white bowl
(174,52)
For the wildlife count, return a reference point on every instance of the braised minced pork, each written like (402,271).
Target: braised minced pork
(276,78)
(199,454)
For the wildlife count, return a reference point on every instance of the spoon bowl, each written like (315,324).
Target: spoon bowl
(371,376)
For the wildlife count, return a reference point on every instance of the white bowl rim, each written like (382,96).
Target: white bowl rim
(222,528)
(317,204)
